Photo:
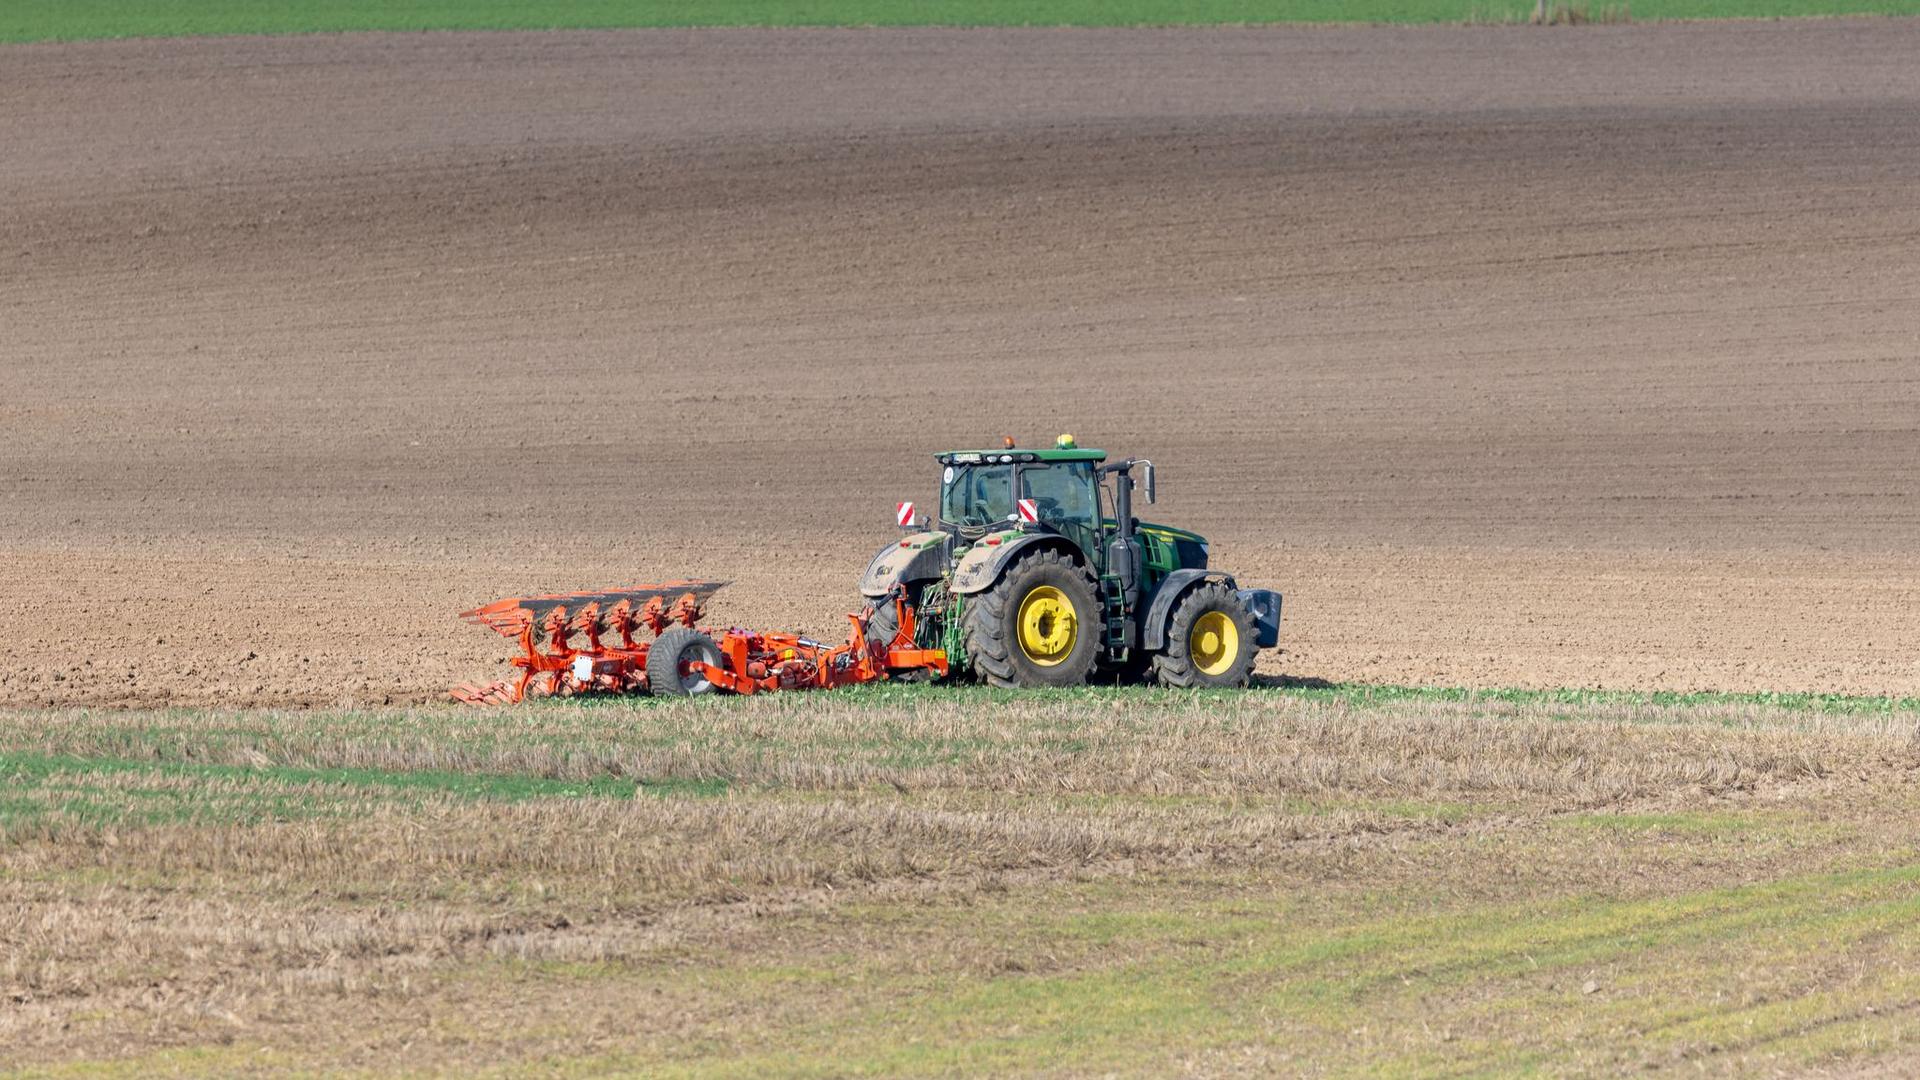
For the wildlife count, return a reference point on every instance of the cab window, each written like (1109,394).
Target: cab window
(1063,490)
(977,495)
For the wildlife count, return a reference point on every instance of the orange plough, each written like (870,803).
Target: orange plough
(584,643)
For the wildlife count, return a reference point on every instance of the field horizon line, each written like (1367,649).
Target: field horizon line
(43,21)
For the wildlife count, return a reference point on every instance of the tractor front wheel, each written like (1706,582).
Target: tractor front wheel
(1210,641)
(1038,626)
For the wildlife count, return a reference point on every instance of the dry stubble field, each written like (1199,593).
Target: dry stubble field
(883,882)
(1514,358)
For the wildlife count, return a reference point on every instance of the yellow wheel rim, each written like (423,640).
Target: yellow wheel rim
(1048,626)
(1213,643)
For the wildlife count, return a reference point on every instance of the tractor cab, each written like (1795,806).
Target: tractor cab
(985,491)
(1067,490)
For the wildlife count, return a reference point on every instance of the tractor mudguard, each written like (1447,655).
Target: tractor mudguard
(1264,606)
(1153,629)
(919,557)
(980,567)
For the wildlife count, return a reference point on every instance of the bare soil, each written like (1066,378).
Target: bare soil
(1514,357)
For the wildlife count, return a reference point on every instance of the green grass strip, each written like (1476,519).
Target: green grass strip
(28,769)
(1368,693)
(38,788)
(44,20)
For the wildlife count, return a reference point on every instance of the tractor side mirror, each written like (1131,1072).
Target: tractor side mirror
(1148,481)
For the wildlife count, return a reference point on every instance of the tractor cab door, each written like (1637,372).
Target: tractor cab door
(1067,496)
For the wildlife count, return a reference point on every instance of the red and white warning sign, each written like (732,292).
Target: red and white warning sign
(1029,511)
(903,513)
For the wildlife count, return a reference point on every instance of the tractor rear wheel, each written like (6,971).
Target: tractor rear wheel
(1038,626)
(1210,641)
(668,657)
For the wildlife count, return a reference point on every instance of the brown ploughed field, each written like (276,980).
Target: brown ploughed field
(1534,359)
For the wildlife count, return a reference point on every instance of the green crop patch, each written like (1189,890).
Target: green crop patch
(42,20)
(96,792)
(1575,699)
(1589,983)
(1728,825)
(29,767)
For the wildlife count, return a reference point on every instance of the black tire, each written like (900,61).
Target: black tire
(1185,662)
(991,630)
(675,646)
(886,618)
(885,622)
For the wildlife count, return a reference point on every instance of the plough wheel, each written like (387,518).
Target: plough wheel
(667,660)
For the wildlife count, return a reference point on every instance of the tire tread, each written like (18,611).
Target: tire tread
(987,631)
(1174,667)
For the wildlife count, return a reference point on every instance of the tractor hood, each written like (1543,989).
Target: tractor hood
(1170,533)
(1169,548)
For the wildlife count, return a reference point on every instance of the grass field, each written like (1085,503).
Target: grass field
(37,20)
(1334,880)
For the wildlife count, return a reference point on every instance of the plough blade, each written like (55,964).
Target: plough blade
(499,692)
(583,642)
(513,616)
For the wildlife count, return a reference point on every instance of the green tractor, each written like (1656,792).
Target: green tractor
(1036,573)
